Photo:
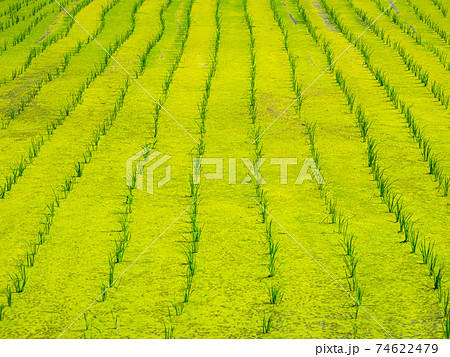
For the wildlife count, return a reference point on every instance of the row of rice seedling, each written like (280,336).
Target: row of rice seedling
(348,242)
(194,229)
(392,199)
(20,277)
(152,42)
(296,87)
(77,98)
(48,41)
(122,241)
(184,33)
(58,69)
(426,18)
(124,236)
(415,34)
(273,244)
(192,242)
(418,133)
(412,65)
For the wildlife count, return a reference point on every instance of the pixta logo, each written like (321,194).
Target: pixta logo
(143,158)
(253,169)
(152,160)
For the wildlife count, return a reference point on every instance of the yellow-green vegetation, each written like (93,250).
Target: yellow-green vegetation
(360,86)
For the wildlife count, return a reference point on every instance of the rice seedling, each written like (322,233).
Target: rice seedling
(446,325)
(196,233)
(33,151)
(363,122)
(87,156)
(178,308)
(19,279)
(342,224)
(67,186)
(351,262)
(331,208)
(273,247)
(104,292)
(188,288)
(168,330)
(95,139)
(432,262)
(86,324)
(272,266)
(8,295)
(267,322)
(112,264)
(413,240)
(372,152)
(275,295)
(391,200)
(30,259)
(119,251)
(193,187)
(437,277)
(263,207)
(55,198)
(444,184)
(404,221)
(408,229)
(348,243)
(193,246)
(358,297)
(446,303)
(426,149)
(433,165)
(79,167)
(191,262)
(399,206)
(426,250)
(47,224)
(41,237)
(9,182)
(2,312)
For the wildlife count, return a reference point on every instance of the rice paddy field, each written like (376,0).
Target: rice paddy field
(360,86)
